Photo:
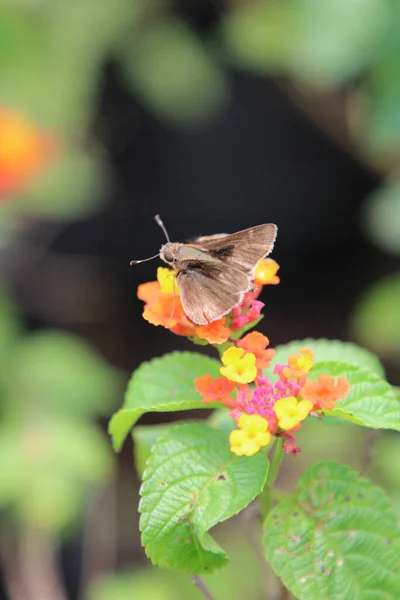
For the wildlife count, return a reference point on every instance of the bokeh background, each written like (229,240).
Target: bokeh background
(219,115)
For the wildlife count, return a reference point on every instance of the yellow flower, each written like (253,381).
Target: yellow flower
(299,364)
(251,436)
(239,366)
(290,412)
(266,272)
(166,279)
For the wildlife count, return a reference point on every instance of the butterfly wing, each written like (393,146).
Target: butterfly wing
(242,250)
(210,291)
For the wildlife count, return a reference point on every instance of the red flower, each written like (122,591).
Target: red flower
(214,333)
(215,390)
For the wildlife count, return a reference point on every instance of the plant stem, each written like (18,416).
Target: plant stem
(199,583)
(275,464)
(38,566)
(284,593)
(265,497)
(99,551)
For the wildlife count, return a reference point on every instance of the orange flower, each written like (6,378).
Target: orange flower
(165,311)
(214,333)
(266,272)
(324,393)
(163,307)
(215,390)
(149,292)
(256,343)
(299,364)
(24,151)
(162,299)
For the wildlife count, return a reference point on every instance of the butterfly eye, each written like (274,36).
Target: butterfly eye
(168,256)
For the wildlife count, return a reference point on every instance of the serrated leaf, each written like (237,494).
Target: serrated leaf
(329,350)
(144,438)
(161,385)
(337,537)
(371,401)
(191,483)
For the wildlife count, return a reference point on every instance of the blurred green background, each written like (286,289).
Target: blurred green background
(220,114)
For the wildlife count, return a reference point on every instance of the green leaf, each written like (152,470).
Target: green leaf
(376,318)
(143,584)
(337,537)
(192,482)
(9,329)
(221,419)
(385,461)
(74,185)
(61,374)
(258,35)
(169,68)
(334,41)
(329,350)
(382,214)
(161,385)
(371,401)
(47,465)
(144,438)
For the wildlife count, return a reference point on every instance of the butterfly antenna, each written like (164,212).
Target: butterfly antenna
(161,224)
(136,262)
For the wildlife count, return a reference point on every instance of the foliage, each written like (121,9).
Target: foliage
(51,453)
(196,474)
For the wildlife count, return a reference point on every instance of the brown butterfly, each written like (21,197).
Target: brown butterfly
(215,271)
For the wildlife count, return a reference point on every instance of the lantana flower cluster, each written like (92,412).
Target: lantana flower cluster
(163,306)
(264,406)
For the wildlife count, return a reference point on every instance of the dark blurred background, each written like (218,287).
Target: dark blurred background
(218,115)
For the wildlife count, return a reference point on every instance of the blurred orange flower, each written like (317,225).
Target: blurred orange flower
(24,151)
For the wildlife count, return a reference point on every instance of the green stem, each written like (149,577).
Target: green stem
(199,583)
(222,347)
(265,498)
(275,464)
(279,495)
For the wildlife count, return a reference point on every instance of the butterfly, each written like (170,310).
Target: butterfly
(214,272)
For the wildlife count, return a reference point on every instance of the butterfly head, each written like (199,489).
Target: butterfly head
(168,253)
